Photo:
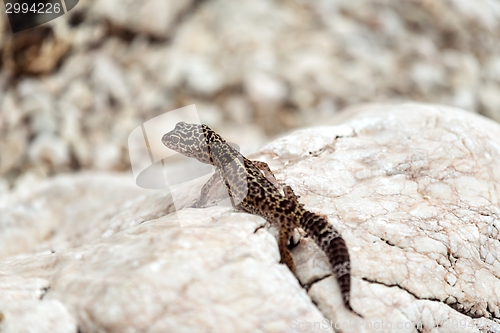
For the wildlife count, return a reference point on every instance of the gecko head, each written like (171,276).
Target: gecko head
(192,140)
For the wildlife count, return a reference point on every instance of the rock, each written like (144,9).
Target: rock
(412,188)
(23,309)
(37,51)
(36,316)
(43,217)
(151,17)
(202,76)
(12,145)
(109,79)
(165,280)
(107,156)
(264,89)
(262,64)
(49,150)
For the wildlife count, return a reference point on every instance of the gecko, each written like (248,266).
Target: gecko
(252,187)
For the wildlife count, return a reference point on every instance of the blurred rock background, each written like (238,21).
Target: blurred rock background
(73,89)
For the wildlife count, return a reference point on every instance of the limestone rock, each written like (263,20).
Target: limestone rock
(37,51)
(412,188)
(63,213)
(156,18)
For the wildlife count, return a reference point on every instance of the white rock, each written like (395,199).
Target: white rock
(486,13)
(109,78)
(12,146)
(262,88)
(238,288)
(106,156)
(42,217)
(412,221)
(23,310)
(412,188)
(202,76)
(152,17)
(48,148)
(36,316)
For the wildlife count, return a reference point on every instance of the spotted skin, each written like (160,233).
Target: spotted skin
(253,188)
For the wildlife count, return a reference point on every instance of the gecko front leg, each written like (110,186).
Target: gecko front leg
(264,167)
(205,190)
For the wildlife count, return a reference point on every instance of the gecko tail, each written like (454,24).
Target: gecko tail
(335,248)
(330,241)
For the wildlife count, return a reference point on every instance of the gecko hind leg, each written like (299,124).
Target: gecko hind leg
(286,227)
(294,239)
(284,236)
(290,195)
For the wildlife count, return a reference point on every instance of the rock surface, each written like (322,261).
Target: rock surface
(412,188)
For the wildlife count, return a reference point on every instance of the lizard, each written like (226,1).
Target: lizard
(252,187)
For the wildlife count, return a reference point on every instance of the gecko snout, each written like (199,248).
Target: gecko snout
(170,139)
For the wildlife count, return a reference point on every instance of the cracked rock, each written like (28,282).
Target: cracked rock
(412,188)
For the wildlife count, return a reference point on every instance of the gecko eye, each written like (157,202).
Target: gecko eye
(170,139)
(174,139)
